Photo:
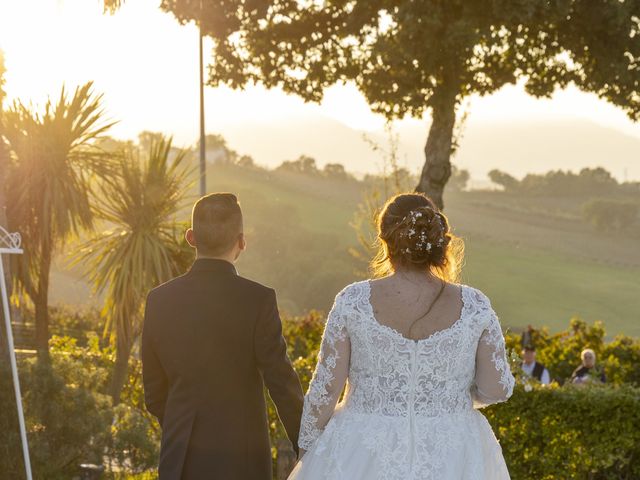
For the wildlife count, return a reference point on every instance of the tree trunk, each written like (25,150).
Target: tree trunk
(120,370)
(437,151)
(41,303)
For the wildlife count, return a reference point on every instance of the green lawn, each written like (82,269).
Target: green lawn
(529,286)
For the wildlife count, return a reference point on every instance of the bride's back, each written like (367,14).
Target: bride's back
(416,306)
(394,374)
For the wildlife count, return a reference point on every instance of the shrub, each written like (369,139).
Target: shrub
(610,214)
(560,352)
(135,444)
(66,424)
(133,441)
(10,452)
(570,432)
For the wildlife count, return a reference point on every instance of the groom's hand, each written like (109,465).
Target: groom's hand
(279,376)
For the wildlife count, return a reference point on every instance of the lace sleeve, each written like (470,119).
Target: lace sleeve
(493,381)
(329,377)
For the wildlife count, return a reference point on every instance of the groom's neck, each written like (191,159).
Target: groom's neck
(227,258)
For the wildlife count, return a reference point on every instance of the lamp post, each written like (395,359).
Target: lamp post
(203,148)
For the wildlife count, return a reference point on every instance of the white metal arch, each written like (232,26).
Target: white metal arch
(10,244)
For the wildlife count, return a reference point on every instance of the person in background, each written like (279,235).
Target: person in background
(588,372)
(533,368)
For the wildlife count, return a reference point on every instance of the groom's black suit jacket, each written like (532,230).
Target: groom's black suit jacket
(210,338)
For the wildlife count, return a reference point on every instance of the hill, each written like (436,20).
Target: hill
(538,264)
(517,148)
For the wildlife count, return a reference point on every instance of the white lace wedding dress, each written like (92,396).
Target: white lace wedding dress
(409,408)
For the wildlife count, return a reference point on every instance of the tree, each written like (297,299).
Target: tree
(596,181)
(506,181)
(459,178)
(610,215)
(144,245)
(336,171)
(48,185)
(146,139)
(411,57)
(304,165)
(246,161)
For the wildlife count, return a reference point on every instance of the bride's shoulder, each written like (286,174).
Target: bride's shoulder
(477,305)
(473,292)
(474,295)
(354,290)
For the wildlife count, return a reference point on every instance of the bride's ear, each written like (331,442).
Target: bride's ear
(190,237)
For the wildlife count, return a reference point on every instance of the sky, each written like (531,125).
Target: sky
(146,64)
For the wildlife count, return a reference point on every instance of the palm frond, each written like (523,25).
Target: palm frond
(144,247)
(49,176)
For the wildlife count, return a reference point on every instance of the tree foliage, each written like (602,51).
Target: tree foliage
(48,184)
(459,178)
(588,181)
(303,164)
(560,351)
(611,215)
(144,246)
(409,57)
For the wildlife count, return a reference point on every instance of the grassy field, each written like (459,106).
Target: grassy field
(539,266)
(535,258)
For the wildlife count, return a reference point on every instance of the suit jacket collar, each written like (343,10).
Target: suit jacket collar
(213,265)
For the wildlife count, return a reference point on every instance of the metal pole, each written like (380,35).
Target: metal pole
(203,166)
(14,369)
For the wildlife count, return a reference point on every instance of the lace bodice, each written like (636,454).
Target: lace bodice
(449,372)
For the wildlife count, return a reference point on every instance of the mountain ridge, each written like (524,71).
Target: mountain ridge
(515,147)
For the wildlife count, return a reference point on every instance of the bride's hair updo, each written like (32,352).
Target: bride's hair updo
(414,234)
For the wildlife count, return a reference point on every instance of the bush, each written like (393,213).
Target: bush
(66,424)
(70,418)
(610,214)
(135,445)
(133,442)
(10,453)
(570,432)
(560,352)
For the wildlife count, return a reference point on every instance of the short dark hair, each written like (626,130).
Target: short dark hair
(529,347)
(216,221)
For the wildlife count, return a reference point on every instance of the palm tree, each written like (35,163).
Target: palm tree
(48,184)
(143,246)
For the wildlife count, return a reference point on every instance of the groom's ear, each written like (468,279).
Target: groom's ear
(242,242)
(190,237)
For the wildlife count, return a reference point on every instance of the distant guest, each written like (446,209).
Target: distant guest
(533,368)
(588,372)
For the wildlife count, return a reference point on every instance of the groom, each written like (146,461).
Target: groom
(210,339)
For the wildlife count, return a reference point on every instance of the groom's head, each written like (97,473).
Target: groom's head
(216,227)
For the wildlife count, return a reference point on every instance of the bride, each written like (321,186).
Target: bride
(418,354)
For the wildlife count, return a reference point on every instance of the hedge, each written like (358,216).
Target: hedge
(571,432)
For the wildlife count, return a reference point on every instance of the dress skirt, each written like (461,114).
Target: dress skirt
(451,446)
